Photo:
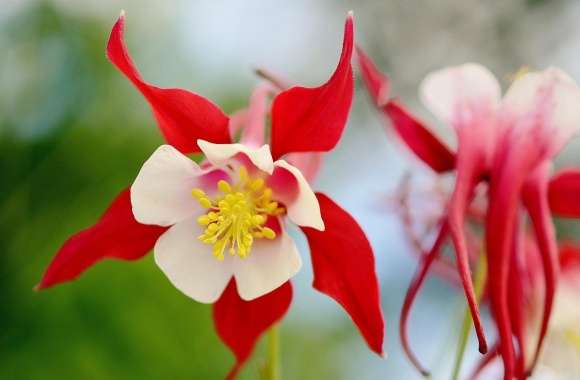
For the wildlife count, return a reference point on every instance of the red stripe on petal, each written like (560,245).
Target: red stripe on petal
(183,116)
(564,193)
(344,269)
(312,119)
(424,144)
(240,323)
(116,235)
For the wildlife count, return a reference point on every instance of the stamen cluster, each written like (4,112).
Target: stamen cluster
(237,215)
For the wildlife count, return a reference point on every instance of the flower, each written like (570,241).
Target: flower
(226,219)
(507,145)
(218,228)
(559,359)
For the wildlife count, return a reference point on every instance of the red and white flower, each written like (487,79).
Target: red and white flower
(559,359)
(218,229)
(507,145)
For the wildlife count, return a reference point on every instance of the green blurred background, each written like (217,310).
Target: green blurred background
(73,132)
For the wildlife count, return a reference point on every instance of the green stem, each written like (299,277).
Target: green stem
(480,275)
(272,369)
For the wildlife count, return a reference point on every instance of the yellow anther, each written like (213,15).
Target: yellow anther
(267,194)
(573,337)
(203,220)
(522,71)
(258,219)
(257,184)
(243,174)
(272,206)
(198,193)
(268,233)
(224,186)
(204,202)
(236,215)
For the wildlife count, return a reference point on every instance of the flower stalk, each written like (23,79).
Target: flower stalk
(272,367)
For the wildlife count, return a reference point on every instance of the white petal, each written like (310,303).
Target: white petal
(190,265)
(270,264)
(303,208)
(458,94)
(161,193)
(220,154)
(549,100)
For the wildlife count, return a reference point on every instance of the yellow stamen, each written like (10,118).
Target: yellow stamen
(203,220)
(573,337)
(224,187)
(268,233)
(237,215)
(198,193)
(522,71)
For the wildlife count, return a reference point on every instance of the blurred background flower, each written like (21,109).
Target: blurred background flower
(73,132)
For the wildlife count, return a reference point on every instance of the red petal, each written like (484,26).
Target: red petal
(427,261)
(569,256)
(536,202)
(240,323)
(116,235)
(312,119)
(376,82)
(564,193)
(344,269)
(183,117)
(418,138)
